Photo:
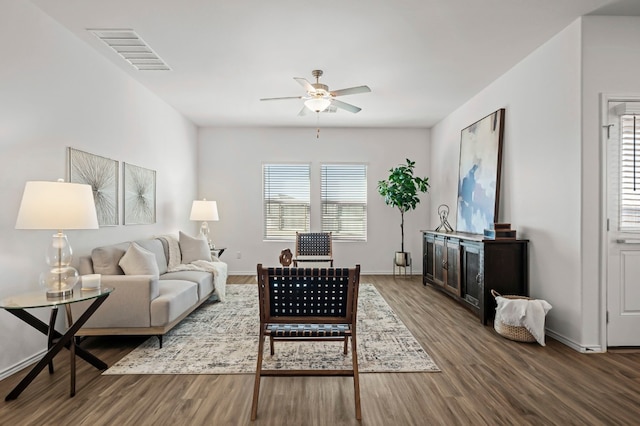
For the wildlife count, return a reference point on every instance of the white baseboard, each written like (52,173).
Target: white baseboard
(573,345)
(22,364)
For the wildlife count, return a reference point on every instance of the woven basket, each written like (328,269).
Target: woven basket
(512,332)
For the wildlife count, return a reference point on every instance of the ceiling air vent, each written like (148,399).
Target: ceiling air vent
(132,48)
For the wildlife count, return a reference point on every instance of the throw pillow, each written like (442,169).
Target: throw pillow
(105,259)
(193,248)
(139,261)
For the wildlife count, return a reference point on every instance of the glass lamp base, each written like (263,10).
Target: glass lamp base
(59,294)
(204,233)
(59,282)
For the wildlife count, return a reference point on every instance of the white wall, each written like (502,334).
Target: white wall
(55,92)
(541,186)
(231,173)
(611,60)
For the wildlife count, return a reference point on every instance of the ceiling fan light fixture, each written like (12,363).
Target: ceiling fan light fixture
(317,104)
(318,97)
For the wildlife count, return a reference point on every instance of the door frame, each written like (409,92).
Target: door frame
(605,98)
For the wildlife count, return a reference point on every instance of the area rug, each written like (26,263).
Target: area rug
(222,338)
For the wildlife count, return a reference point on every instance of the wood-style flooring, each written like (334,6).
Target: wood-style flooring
(485,380)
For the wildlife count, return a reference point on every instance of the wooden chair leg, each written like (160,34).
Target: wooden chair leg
(356,377)
(256,385)
(272,350)
(346,344)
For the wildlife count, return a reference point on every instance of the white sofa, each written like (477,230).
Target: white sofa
(147,298)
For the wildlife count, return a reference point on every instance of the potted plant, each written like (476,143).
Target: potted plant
(401,190)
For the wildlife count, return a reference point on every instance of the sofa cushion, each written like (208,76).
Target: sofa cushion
(193,248)
(202,278)
(155,246)
(105,259)
(85,265)
(139,261)
(175,298)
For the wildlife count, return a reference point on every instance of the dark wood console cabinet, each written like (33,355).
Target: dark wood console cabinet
(468,267)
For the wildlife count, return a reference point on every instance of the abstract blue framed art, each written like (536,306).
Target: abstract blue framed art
(479,173)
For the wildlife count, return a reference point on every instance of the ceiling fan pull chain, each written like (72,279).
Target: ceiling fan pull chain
(318,125)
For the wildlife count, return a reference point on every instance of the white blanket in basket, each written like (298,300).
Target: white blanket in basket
(524,313)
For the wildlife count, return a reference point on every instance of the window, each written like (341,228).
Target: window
(286,194)
(344,201)
(630,173)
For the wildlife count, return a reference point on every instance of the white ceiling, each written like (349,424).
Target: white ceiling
(421,58)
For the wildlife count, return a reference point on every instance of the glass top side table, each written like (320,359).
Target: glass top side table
(17,306)
(39,299)
(217,251)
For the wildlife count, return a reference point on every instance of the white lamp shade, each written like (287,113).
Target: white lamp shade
(317,104)
(204,210)
(57,205)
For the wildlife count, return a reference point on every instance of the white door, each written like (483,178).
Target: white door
(623,214)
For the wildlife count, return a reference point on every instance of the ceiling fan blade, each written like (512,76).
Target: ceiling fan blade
(351,108)
(350,91)
(277,99)
(304,111)
(304,83)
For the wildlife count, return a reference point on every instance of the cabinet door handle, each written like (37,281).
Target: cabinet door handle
(630,241)
(444,265)
(478,278)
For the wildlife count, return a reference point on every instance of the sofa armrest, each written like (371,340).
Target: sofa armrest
(129,305)
(135,285)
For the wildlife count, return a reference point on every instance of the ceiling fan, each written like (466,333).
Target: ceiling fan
(320,99)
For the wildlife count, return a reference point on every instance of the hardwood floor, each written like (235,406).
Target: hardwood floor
(485,379)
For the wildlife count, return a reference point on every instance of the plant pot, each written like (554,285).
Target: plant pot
(402,258)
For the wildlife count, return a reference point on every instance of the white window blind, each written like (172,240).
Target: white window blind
(286,194)
(344,201)
(630,173)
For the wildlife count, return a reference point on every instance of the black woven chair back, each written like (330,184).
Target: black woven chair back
(318,292)
(318,295)
(313,244)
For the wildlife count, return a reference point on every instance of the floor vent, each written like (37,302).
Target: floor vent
(132,48)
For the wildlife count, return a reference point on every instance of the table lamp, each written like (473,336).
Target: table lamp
(204,211)
(58,205)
